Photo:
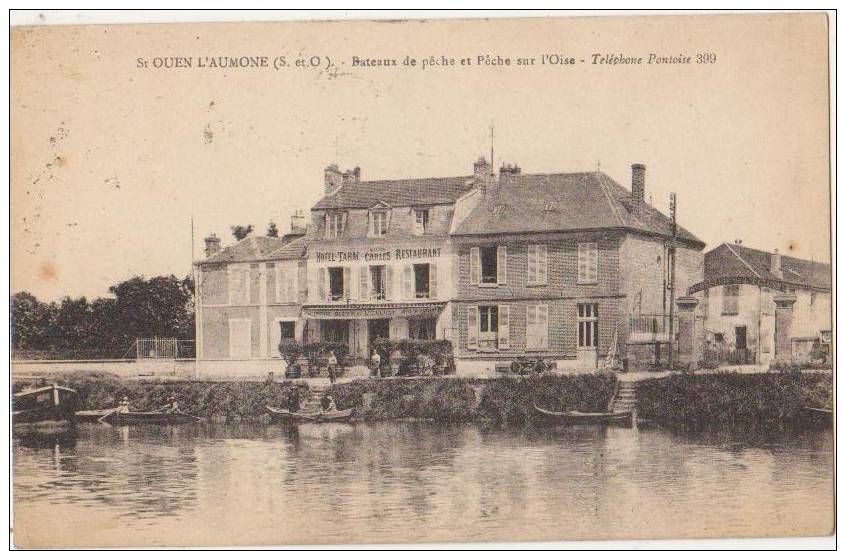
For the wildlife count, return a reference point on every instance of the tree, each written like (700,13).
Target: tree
(241,232)
(272,230)
(32,321)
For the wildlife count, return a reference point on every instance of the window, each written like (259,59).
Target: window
(537,327)
(587,322)
(336,284)
(335,222)
(286,329)
(239,284)
(421,280)
(588,262)
(421,329)
(537,265)
(377,282)
(731,294)
(378,223)
(421,221)
(286,283)
(488,324)
(488,265)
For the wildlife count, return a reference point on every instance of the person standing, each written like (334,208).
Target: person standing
(331,365)
(375,363)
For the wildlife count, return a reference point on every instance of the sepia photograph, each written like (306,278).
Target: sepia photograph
(420,278)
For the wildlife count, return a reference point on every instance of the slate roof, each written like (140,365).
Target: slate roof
(737,261)
(397,193)
(563,202)
(255,248)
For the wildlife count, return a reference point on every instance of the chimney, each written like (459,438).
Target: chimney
(481,169)
(332,179)
(352,176)
(775,264)
(638,184)
(212,245)
(298,223)
(508,173)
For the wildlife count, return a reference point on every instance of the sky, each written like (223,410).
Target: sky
(110,162)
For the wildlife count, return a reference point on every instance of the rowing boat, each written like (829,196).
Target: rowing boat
(582,418)
(340,416)
(153,417)
(93,414)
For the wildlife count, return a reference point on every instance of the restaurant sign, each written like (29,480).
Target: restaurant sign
(371,312)
(377,255)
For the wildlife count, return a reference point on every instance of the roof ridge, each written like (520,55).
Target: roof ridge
(743,260)
(607,194)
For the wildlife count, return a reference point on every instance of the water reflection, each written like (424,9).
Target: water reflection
(250,484)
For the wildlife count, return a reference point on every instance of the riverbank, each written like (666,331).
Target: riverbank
(694,402)
(501,401)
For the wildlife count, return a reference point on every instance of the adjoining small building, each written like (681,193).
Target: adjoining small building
(737,299)
(249,295)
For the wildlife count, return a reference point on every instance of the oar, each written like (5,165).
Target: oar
(101,419)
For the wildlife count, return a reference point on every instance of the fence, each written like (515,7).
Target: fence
(723,356)
(164,349)
(651,327)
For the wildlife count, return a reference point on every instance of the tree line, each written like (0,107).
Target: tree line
(161,306)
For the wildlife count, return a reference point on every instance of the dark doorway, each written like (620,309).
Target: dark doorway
(378,329)
(335,330)
(740,338)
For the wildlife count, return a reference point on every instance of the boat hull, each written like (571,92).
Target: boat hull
(45,406)
(579,418)
(341,416)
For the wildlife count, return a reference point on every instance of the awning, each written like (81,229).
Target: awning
(370,311)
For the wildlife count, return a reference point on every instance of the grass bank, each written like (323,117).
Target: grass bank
(220,402)
(501,401)
(699,401)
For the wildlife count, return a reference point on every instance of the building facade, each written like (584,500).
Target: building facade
(571,267)
(737,298)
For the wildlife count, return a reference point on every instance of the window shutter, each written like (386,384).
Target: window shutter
(543,326)
(281,284)
(541,260)
(475,266)
(363,288)
(322,284)
(343,227)
(503,334)
(433,281)
(593,261)
(326,233)
(501,265)
(293,276)
(389,284)
(408,281)
(347,278)
(533,264)
(472,327)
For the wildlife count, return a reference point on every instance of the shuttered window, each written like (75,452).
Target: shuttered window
(588,262)
(475,266)
(731,296)
(537,327)
(286,283)
(537,265)
(239,284)
(504,334)
(335,223)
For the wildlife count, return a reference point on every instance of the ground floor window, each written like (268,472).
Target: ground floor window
(422,329)
(286,329)
(537,327)
(335,330)
(488,323)
(587,322)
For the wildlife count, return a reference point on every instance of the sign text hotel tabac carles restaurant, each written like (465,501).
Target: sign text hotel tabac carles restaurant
(571,267)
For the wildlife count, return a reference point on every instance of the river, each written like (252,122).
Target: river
(393,482)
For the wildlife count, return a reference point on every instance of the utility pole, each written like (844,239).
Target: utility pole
(672,260)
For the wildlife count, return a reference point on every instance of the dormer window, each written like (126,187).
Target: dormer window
(421,221)
(335,223)
(378,223)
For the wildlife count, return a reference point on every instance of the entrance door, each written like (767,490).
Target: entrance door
(335,331)
(741,356)
(377,329)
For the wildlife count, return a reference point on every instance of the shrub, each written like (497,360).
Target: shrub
(528,366)
(415,355)
(511,400)
(694,401)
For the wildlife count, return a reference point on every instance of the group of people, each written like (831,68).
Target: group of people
(332,365)
(171,406)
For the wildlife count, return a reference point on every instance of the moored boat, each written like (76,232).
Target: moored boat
(339,416)
(45,405)
(583,418)
(93,414)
